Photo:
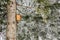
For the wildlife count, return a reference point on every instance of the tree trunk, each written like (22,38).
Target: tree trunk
(11,24)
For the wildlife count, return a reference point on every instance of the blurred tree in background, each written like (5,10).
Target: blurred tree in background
(3,11)
(40,19)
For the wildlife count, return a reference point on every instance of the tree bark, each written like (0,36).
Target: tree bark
(11,24)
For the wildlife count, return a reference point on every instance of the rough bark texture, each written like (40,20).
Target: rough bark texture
(11,24)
